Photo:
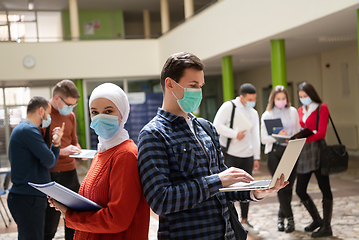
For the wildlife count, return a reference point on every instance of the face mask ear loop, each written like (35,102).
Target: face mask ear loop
(173,92)
(174,95)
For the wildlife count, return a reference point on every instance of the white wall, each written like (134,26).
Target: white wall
(82,59)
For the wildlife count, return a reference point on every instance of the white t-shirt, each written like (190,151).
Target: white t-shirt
(248,146)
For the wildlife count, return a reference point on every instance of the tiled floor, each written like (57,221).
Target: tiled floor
(263,214)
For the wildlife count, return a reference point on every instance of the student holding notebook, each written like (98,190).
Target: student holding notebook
(279,107)
(113,180)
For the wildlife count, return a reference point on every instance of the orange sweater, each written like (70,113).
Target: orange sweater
(113,182)
(65,163)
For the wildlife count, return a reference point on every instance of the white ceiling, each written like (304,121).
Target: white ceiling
(299,42)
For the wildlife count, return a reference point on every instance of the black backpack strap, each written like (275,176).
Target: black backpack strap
(206,128)
(231,124)
(330,118)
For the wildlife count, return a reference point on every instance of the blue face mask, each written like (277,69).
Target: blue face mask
(250,104)
(47,122)
(65,110)
(305,101)
(191,99)
(105,125)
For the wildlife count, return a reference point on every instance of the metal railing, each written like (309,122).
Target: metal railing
(90,37)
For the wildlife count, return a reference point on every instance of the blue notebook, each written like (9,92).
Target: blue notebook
(66,196)
(273,124)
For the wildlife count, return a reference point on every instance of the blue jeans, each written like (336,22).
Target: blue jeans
(28,212)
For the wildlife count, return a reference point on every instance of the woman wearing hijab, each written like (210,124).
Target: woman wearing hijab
(112,181)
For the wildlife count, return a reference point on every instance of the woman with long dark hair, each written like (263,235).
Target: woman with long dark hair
(279,107)
(308,161)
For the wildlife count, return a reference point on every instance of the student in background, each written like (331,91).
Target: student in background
(30,160)
(112,181)
(308,161)
(64,99)
(244,149)
(279,107)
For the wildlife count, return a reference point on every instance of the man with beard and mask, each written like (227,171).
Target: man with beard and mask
(30,160)
(64,99)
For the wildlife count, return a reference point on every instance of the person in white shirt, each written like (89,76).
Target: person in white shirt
(244,149)
(279,107)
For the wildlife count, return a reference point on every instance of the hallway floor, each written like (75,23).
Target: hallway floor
(263,214)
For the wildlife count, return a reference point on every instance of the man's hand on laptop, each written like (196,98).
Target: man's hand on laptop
(233,175)
(259,194)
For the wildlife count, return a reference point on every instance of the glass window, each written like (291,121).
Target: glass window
(1,97)
(17,96)
(24,31)
(4,32)
(15,115)
(23,26)
(3,18)
(50,26)
(21,16)
(2,132)
(152,85)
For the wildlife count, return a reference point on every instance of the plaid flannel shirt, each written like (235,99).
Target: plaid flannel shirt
(180,183)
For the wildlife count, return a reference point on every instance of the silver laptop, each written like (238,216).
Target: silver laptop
(285,166)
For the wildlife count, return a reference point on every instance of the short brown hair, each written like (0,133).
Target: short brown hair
(176,64)
(310,91)
(36,103)
(66,88)
(275,90)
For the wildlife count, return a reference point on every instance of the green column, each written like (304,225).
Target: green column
(227,78)
(358,27)
(279,72)
(80,115)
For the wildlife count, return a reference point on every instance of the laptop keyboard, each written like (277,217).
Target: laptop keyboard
(259,183)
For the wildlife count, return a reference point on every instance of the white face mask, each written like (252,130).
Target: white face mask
(305,101)
(47,122)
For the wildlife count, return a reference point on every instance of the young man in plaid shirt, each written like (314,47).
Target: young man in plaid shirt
(181,169)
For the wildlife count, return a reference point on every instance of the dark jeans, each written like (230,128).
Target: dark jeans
(70,180)
(285,194)
(28,212)
(323,182)
(247,165)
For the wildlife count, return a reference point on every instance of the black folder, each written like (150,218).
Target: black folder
(306,132)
